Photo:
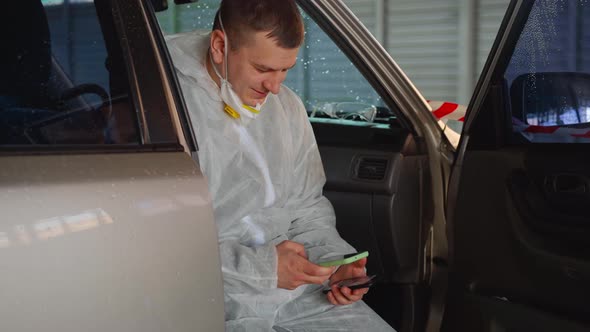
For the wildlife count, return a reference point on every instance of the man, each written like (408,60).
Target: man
(258,152)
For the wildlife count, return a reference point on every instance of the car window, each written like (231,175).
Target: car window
(330,86)
(328,82)
(64,82)
(548,77)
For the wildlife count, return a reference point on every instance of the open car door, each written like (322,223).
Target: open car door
(518,217)
(107,222)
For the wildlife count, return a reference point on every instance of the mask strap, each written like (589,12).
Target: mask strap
(214,66)
(225,46)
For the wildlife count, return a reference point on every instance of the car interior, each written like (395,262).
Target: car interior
(42,102)
(377,181)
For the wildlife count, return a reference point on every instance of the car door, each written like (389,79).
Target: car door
(106,222)
(518,221)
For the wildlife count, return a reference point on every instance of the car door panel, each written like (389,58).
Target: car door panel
(108,242)
(520,266)
(501,315)
(543,216)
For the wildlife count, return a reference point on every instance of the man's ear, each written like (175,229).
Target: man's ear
(217,46)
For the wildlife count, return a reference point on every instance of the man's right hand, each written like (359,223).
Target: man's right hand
(295,270)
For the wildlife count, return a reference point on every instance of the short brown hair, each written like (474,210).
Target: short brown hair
(242,17)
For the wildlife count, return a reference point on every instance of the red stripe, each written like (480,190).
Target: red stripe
(541,129)
(462,119)
(445,109)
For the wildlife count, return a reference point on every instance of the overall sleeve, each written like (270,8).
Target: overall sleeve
(246,267)
(314,223)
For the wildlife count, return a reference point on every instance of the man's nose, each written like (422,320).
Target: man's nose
(273,84)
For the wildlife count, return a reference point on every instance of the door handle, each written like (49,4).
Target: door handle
(567,184)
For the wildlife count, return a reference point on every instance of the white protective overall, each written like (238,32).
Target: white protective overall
(266,178)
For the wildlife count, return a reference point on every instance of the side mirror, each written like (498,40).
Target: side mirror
(161,5)
(551,98)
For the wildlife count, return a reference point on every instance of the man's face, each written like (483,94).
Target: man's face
(259,67)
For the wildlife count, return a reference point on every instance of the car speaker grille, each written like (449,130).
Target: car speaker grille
(371,169)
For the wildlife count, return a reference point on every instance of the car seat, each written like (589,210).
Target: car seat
(25,64)
(26,54)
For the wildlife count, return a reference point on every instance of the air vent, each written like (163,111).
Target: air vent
(371,169)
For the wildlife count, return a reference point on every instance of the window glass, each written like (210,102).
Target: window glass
(549,73)
(63,82)
(328,82)
(329,85)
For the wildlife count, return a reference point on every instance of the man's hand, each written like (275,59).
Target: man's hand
(344,295)
(295,270)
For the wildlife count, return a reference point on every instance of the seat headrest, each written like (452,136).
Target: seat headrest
(25,60)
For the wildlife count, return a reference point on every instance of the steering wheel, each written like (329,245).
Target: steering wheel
(33,131)
(88,88)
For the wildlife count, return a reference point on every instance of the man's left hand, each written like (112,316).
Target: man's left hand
(344,295)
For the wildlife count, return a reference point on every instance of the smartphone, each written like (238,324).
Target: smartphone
(342,259)
(354,283)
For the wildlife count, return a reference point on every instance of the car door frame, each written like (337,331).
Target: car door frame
(387,78)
